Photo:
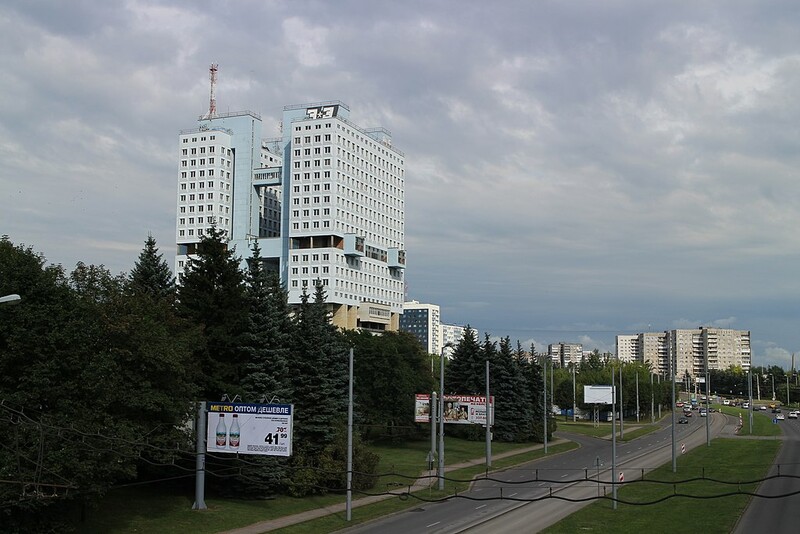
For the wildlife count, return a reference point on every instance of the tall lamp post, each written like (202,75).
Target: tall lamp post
(773,386)
(441,416)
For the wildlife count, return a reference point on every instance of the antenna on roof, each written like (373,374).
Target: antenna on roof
(212,101)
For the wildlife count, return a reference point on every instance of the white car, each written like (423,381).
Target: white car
(794,414)
(779,417)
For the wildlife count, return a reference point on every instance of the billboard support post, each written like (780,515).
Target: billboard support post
(432,410)
(488,423)
(349,506)
(200,461)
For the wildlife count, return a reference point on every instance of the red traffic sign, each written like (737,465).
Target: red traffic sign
(622,477)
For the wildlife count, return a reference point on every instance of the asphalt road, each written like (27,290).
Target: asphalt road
(777,514)
(499,504)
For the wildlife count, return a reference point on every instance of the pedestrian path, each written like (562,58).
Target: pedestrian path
(426,480)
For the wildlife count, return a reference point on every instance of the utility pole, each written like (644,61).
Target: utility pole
(652,401)
(544,367)
(621,406)
(349,504)
(200,461)
(613,443)
(574,404)
(672,379)
(488,423)
(441,421)
(637,395)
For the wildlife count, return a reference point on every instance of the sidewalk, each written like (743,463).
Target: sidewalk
(427,479)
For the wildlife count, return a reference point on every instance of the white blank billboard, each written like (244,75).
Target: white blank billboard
(597,394)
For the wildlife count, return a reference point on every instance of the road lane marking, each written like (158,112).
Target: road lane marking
(481,506)
(433,524)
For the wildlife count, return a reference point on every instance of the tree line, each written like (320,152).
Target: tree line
(100,375)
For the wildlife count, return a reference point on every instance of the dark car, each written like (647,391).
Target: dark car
(683,421)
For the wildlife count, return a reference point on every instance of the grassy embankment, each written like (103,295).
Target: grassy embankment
(143,509)
(730,460)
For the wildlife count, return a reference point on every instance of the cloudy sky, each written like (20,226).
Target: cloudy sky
(575,170)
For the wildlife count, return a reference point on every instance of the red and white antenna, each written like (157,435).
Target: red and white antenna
(212,102)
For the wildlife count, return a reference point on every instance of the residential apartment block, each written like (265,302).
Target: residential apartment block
(424,321)
(689,350)
(565,354)
(325,202)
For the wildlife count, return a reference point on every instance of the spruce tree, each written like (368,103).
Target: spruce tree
(535,383)
(151,275)
(466,370)
(265,345)
(506,382)
(212,296)
(267,339)
(319,371)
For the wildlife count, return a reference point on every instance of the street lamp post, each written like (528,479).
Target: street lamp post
(773,386)
(441,416)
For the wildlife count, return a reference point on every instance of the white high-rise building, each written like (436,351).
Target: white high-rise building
(326,203)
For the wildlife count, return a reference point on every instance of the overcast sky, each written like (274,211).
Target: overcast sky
(574,170)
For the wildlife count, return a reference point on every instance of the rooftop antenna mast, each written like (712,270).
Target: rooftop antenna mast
(212,102)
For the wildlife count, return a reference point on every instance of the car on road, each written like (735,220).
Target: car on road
(794,414)
(687,414)
(762,408)
(779,417)
(746,405)
(703,412)
(683,421)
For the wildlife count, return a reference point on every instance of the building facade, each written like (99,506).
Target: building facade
(424,322)
(451,336)
(325,201)
(690,350)
(565,354)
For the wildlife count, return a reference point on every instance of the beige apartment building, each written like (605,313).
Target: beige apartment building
(689,349)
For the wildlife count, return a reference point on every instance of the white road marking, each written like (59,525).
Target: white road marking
(481,506)
(433,524)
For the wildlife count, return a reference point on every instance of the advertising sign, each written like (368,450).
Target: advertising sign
(598,394)
(264,429)
(458,409)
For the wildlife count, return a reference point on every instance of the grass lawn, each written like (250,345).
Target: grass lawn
(146,509)
(731,460)
(762,422)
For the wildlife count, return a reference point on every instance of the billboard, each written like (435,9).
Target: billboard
(458,409)
(264,429)
(597,394)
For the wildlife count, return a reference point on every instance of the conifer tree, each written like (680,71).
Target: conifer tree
(535,384)
(151,275)
(507,386)
(268,337)
(465,369)
(212,295)
(265,345)
(319,371)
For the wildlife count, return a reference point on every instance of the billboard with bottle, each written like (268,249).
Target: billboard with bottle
(264,429)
